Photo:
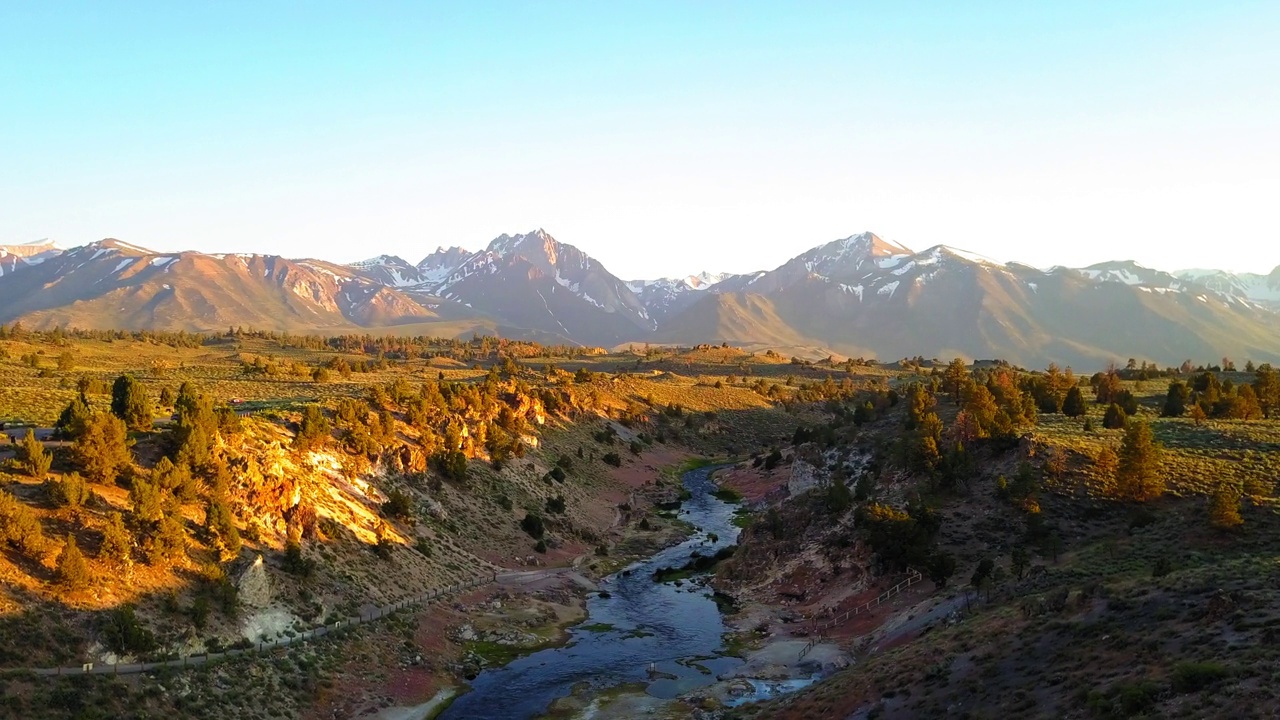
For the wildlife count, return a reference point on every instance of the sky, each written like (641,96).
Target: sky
(661,138)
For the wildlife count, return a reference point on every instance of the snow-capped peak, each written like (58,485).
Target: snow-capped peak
(380,261)
(30,249)
(505,244)
(701,281)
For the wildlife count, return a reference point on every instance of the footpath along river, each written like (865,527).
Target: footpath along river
(649,623)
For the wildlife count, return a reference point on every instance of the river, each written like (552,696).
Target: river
(677,628)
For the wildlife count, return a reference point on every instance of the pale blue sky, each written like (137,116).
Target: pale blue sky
(662,138)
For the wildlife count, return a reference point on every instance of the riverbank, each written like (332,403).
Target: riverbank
(579,642)
(653,648)
(528,611)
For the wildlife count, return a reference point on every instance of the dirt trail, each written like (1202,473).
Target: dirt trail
(543,578)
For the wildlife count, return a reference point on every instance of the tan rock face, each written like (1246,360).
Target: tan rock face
(254,585)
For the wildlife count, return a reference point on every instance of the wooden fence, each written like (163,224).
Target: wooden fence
(913,577)
(319,631)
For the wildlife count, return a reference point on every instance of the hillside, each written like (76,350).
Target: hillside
(430,456)
(1052,588)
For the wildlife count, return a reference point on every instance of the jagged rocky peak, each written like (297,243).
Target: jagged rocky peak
(526,243)
(381,260)
(541,250)
(866,244)
(444,257)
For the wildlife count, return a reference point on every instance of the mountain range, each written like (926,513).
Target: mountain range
(857,296)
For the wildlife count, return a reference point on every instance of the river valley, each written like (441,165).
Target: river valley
(664,636)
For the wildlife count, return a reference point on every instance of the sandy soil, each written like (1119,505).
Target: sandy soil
(416,712)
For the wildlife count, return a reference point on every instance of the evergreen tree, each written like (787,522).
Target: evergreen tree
(130,403)
(1245,406)
(19,526)
(1266,385)
(1106,464)
(954,378)
(940,567)
(220,523)
(1138,472)
(117,541)
(168,542)
(1127,402)
(72,570)
(1073,405)
(1115,418)
(839,497)
(102,450)
(68,491)
(1175,401)
(313,429)
(32,456)
(195,424)
(73,418)
(1224,506)
(148,501)
(1019,559)
(174,480)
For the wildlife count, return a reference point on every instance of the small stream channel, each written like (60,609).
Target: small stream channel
(678,628)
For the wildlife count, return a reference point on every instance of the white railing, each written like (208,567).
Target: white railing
(913,577)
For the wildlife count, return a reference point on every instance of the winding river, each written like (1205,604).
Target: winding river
(678,629)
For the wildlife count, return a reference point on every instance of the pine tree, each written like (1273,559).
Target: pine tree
(19,525)
(32,456)
(117,541)
(195,425)
(1266,385)
(221,526)
(73,418)
(1073,405)
(1175,401)
(175,480)
(1224,506)
(168,542)
(147,499)
(68,491)
(1115,418)
(72,570)
(954,377)
(313,429)
(940,567)
(130,403)
(102,450)
(1138,472)
(1106,464)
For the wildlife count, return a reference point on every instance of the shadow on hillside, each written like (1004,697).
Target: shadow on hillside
(1214,435)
